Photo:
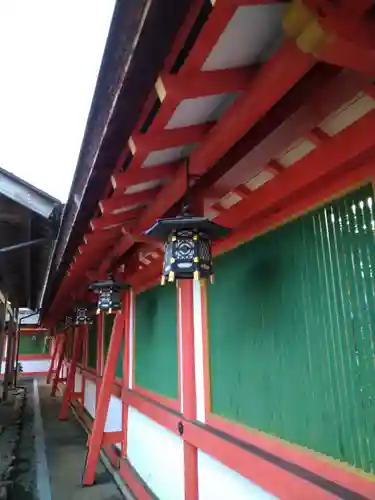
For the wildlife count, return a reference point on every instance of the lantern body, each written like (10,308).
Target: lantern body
(187,255)
(109,300)
(188,246)
(82,317)
(109,295)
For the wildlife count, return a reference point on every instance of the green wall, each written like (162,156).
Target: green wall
(92,349)
(292,325)
(109,320)
(156,360)
(33,344)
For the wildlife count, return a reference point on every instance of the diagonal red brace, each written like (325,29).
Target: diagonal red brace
(69,389)
(99,438)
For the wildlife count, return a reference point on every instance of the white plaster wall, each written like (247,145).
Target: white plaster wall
(35,365)
(216,481)
(114,417)
(198,350)
(78,382)
(90,397)
(180,343)
(157,455)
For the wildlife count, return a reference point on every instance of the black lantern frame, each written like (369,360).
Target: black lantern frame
(83,315)
(109,294)
(188,242)
(188,246)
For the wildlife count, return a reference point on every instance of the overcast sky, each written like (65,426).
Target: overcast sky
(50,54)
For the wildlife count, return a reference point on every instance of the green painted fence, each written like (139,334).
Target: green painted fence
(291,325)
(109,320)
(92,348)
(156,366)
(34,344)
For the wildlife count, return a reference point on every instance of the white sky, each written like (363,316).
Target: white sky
(50,54)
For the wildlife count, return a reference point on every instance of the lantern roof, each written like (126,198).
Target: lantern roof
(164,227)
(108,283)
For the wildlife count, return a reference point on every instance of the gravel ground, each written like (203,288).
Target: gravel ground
(24,487)
(17,446)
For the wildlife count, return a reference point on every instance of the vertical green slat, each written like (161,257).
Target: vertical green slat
(92,344)
(361,321)
(343,317)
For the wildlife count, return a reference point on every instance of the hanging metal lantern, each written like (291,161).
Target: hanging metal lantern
(109,291)
(83,316)
(188,246)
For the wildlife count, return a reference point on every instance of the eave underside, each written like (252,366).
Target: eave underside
(270,130)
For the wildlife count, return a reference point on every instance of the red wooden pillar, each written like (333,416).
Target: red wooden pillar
(51,369)
(187,368)
(61,354)
(99,438)
(125,369)
(99,354)
(69,392)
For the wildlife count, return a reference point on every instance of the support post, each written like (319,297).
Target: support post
(187,369)
(56,347)
(17,351)
(125,369)
(99,352)
(8,362)
(69,392)
(61,355)
(3,310)
(99,438)
(14,346)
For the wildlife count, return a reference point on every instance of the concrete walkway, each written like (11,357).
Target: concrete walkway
(65,449)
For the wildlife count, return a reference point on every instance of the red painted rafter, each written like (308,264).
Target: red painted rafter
(344,35)
(346,146)
(93,238)
(204,83)
(331,185)
(143,144)
(107,221)
(123,202)
(132,177)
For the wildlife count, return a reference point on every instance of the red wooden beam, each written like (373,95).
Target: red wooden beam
(336,32)
(346,146)
(108,221)
(317,136)
(142,175)
(332,185)
(92,238)
(120,203)
(204,83)
(154,141)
